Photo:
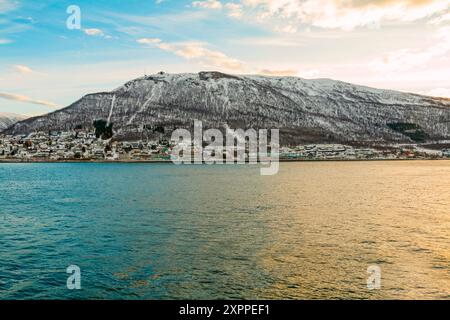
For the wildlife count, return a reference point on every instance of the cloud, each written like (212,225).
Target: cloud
(441,19)
(94,32)
(21,98)
(438,92)
(208,4)
(234,9)
(149,41)
(23,69)
(27,70)
(8,5)
(312,73)
(282,73)
(338,14)
(196,51)
(407,59)
(5,41)
(269,41)
(287,29)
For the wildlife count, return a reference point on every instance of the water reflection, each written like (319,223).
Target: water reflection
(162,231)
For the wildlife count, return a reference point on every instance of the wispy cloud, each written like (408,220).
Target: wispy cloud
(23,69)
(209,4)
(441,19)
(196,51)
(234,9)
(330,14)
(22,98)
(5,41)
(173,23)
(149,41)
(26,70)
(438,92)
(94,32)
(269,72)
(8,5)
(407,59)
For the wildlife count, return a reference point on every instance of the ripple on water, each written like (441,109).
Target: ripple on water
(163,232)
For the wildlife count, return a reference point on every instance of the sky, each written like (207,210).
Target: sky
(50,56)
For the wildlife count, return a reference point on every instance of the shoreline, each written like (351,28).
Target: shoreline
(170,162)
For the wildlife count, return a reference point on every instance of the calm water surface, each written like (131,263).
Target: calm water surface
(159,231)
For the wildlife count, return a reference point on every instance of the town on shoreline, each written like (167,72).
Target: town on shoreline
(82,146)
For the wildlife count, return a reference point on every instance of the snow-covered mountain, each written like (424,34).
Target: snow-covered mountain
(320,110)
(8,119)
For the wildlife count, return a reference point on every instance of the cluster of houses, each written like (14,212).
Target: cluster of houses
(78,145)
(344,152)
(82,145)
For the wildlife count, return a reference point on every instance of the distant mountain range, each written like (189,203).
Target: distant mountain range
(8,119)
(305,111)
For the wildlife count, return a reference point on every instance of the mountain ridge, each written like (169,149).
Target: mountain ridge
(7,119)
(316,110)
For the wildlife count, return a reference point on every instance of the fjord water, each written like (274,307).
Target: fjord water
(160,231)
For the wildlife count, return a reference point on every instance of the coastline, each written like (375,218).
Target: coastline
(170,162)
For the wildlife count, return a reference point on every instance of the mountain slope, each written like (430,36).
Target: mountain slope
(305,110)
(8,119)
